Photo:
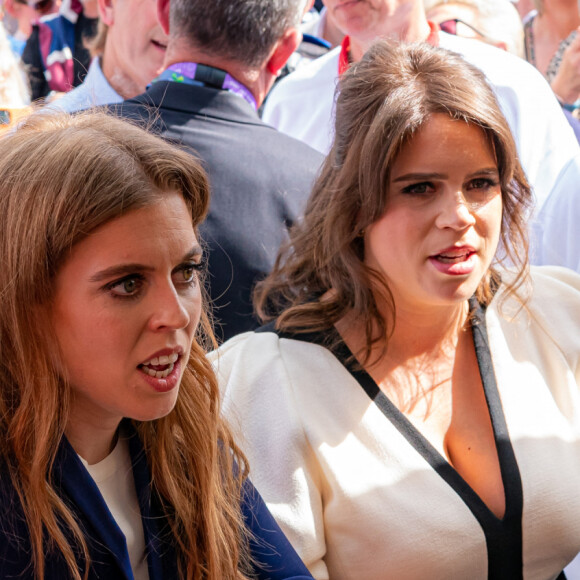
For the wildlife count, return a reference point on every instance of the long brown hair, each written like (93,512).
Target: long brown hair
(320,275)
(61,178)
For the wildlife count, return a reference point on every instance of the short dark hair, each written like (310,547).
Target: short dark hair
(241,30)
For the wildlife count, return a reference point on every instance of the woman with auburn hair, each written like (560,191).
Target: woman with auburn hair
(424,396)
(114,461)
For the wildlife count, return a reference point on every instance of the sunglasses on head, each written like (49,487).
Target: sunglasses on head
(450,26)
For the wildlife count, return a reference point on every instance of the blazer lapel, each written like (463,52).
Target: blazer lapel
(74,479)
(157,550)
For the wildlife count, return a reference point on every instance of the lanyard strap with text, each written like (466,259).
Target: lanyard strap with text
(192,73)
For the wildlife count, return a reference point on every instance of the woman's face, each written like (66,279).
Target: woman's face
(127,303)
(441,226)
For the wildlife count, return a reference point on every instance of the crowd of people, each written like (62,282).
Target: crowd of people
(291,290)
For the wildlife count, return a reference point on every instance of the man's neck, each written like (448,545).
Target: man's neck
(330,32)
(121,83)
(257,81)
(407,24)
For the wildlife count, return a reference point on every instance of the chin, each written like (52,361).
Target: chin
(153,413)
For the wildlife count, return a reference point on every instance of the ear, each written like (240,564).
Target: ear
(10,8)
(163,15)
(500,44)
(107,11)
(283,49)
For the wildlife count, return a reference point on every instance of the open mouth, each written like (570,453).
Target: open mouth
(453,258)
(160,367)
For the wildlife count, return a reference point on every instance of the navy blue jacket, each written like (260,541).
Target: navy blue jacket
(274,556)
(260,181)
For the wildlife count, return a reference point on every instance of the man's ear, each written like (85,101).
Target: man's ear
(163,14)
(10,8)
(107,11)
(289,42)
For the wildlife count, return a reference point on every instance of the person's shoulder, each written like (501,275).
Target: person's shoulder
(94,91)
(547,305)
(313,77)
(261,347)
(556,284)
(238,346)
(289,147)
(543,285)
(141,110)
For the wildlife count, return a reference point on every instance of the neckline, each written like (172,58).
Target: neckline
(503,535)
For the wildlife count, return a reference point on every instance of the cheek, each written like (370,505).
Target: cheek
(194,307)
(492,219)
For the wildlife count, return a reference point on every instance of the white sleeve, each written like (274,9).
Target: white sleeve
(555,306)
(259,402)
(556,233)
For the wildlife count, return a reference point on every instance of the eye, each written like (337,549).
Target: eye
(186,274)
(421,188)
(127,287)
(481,183)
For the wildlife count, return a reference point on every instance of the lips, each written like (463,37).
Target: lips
(160,367)
(455,261)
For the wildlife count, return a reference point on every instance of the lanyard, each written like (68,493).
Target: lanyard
(191,73)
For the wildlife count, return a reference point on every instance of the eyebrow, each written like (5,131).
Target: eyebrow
(425,176)
(125,269)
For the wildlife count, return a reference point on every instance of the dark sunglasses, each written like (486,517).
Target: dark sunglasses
(42,6)
(450,26)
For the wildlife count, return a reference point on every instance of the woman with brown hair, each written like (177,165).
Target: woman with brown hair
(114,461)
(423,397)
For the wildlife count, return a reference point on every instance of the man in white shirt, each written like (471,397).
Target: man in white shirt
(302,104)
(129,48)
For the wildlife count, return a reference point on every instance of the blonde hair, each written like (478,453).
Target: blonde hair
(320,275)
(62,177)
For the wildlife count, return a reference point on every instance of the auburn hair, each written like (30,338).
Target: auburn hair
(61,178)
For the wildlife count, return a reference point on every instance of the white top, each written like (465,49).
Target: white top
(314,23)
(557,228)
(301,105)
(114,478)
(354,495)
(93,92)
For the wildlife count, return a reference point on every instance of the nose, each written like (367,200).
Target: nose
(454,212)
(169,310)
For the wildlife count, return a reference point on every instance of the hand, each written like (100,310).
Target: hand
(566,83)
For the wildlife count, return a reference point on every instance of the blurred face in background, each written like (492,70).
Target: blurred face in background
(135,46)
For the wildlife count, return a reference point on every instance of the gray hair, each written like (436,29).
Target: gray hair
(245,31)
